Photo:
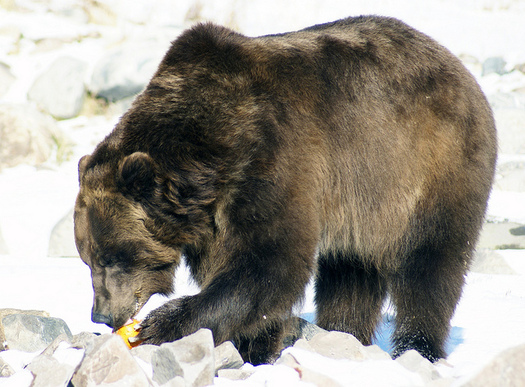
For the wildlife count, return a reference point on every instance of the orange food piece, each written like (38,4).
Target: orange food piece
(128,331)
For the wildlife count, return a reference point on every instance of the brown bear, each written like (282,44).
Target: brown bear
(358,152)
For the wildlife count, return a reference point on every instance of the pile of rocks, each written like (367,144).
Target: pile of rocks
(52,356)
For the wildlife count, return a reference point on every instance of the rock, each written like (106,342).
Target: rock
(144,352)
(83,340)
(346,348)
(306,375)
(501,235)
(109,362)
(8,311)
(234,374)
(494,65)
(60,90)
(414,362)
(177,381)
(337,345)
(227,356)
(490,262)
(30,333)
(191,357)
(99,13)
(509,100)
(520,67)
(510,176)
(27,135)
(6,79)
(374,352)
(506,369)
(126,71)
(9,5)
(5,369)
(48,371)
(59,340)
(3,245)
(303,344)
(299,328)
(62,240)
(511,130)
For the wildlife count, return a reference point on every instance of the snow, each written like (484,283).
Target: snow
(491,314)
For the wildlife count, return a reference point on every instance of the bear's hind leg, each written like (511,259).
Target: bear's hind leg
(425,294)
(348,295)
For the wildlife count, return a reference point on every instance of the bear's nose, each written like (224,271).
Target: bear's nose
(102,319)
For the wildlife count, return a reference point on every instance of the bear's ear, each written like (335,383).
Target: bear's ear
(136,175)
(82,164)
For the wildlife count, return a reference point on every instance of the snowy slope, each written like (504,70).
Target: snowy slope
(491,314)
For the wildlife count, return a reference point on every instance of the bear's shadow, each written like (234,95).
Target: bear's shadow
(386,329)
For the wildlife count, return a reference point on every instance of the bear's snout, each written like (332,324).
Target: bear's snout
(101,318)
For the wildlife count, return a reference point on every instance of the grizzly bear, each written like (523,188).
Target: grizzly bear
(360,153)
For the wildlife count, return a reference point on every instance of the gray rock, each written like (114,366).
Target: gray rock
(48,371)
(506,369)
(83,340)
(51,348)
(191,358)
(510,176)
(234,374)
(306,375)
(3,245)
(227,356)
(177,381)
(443,382)
(494,65)
(303,344)
(109,362)
(414,362)
(337,345)
(6,79)
(8,311)
(511,130)
(126,71)
(26,135)
(5,369)
(144,352)
(374,352)
(500,236)
(99,13)
(511,100)
(299,328)
(32,333)
(60,91)
(490,262)
(62,240)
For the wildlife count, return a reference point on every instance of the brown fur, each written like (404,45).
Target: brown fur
(358,151)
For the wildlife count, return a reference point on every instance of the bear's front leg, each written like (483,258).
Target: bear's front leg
(162,324)
(246,301)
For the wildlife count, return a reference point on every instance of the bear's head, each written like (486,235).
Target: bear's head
(119,239)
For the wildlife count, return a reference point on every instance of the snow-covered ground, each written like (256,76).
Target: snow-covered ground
(491,314)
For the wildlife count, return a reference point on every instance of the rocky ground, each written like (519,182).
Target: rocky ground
(69,69)
(54,357)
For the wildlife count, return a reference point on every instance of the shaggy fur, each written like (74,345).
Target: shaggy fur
(360,152)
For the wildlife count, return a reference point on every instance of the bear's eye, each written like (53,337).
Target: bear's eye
(107,261)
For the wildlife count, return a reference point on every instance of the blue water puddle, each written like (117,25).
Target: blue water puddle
(386,329)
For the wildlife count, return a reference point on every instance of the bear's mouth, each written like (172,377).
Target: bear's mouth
(138,307)
(139,303)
